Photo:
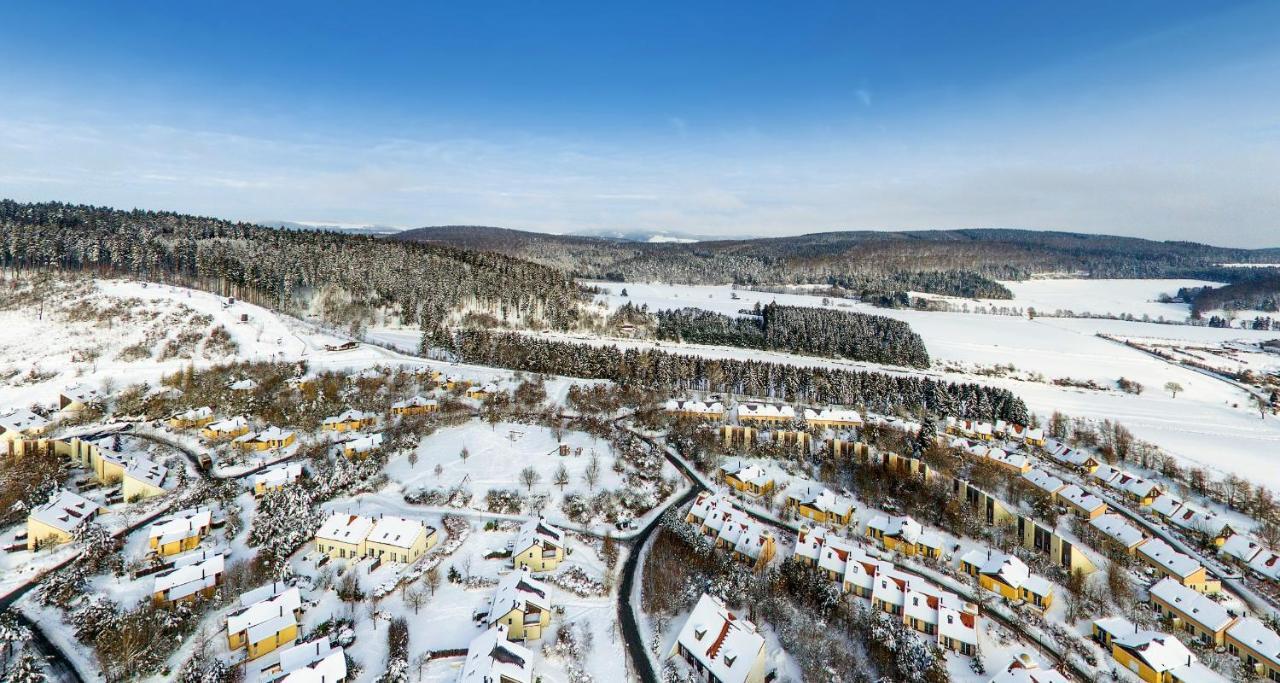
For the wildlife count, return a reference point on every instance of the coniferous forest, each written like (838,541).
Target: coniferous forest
(874,391)
(806,330)
(423,283)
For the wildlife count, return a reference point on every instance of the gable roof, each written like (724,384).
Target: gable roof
(538,532)
(1164,555)
(65,511)
(400,532)
(724,644)
(491,657)
(21,420)
(1195,606)
(518,590)
(1118,529)
(345,528)
(313,662)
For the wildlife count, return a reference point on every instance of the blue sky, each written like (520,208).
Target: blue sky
(1158,119)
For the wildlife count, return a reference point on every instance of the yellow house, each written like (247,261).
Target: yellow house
(539,546)
(343,536)
(265,621)
(180,531)
(521,604)
(1120,534)
(803,441)
(188,582)
(56,521)
(143,479)
(1256,645)
(1081,503)
(1152,656)
(904,466)
(842,449)
(76,398)
(20,423)
(453,381)
(700,410)
(832,418)
(1173,564)
(747,541)
(821,505)
(268,439)
(749,479)
(229,428)
(349,421)
(398,539)
(415,405)
(1050,543)
(196,417)
(482,392)
(276,477)
(990,509)
(904,535)
(1191,612)
(765,413)
(359,446)
(1008,577)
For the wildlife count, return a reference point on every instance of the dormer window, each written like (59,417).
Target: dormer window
(729,660)
(699,633)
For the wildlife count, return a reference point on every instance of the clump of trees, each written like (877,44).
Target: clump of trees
(800,329)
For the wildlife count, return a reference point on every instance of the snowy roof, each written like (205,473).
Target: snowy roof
(65,511)
(681,406)
(273,625)
(263,611)
(1240,547)
(1043,480)
(1007,568)
(809,542)
(266,435)
(1255,635)
(397,531)
(264,592)
(275,475)
(189,579)
(1166,504)
(841,415)
(1200,521)
(1106,473)
(21,420)
(313,662)
(1142,488)
(752,539)
(180,525)
(837,553)
(862,571)
(1014,460)
(243,385)
(726,645)
(1024,669)
(538,532)
(765,410)
(1081,498)
(957,624)
(1164,555)
(909,529)
(144,470)
(413,402)
(751,474)
(80,393)
(1193,605)
(1160,651)
(825,500)
(1118,529)
(491,657)
(362,443)
(230,424)
(348,416)
(1267,564)
(518,590)
(195,414)
(345,528)
(707,503)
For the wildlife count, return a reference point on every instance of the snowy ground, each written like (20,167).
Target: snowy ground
(1210,424)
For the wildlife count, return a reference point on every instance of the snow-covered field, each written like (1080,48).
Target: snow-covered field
(1211,424)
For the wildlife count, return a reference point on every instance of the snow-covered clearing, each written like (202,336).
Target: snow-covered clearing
(1210,424)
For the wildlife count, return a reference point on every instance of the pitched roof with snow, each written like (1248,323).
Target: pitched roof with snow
(1164,555)
(1240,547)
(726,645)
(765,410)
(707,503)
(751,474)
(180,525)
(362,443)
(1166,504)
(538,532)
(1080,498)
(313,662)
(1257,636)
(905,527)
(22,421)
(263,611)
(400,532)
(1195,606)
(65,511)
(518,590)
(194,414)
(1024,669)
(1007,568)
(1118,529)
(700,407)
(345,528)
(825,500)
(276,475)
(80,393)
(191,578)
(1043,480)
(348,416)
(491,657)
(414,402)
(265,436)
(231,424)
(837,415)
(1266,563)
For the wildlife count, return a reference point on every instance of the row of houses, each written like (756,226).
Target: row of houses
(388,537)
(1152,656)
(730,528)
(920,604)
(990,431)
(756,413)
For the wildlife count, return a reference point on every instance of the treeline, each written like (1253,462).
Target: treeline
(1258,292)
(421,283)
(800,329)
(872,391)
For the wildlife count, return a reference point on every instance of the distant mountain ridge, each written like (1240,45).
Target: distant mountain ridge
(860,260)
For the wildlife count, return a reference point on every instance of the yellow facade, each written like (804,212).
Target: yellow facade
(41,534)
(181,545)
(525,626)
(137,489)
(269,444)
(415,410)
(537,559)
(284,636)
(340,550)
(212,435)
(1182,623)
(737,435)
(824,516)
(747,487)
(1262,665)
(177,422)
(349,425)
(393,553)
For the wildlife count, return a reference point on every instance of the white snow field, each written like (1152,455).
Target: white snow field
(1211,424)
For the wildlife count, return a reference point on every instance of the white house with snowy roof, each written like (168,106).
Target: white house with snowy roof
(188,581)
(399,539)
(522,604)
(721,646)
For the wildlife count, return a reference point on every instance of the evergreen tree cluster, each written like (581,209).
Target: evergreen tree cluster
(872,391)
(799,329)
(1258,292)
(423,283)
